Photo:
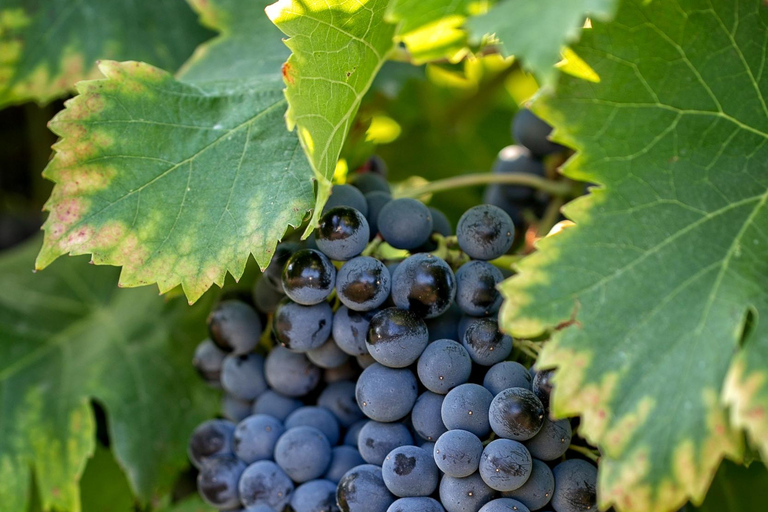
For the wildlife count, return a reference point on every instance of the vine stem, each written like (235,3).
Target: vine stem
(587,452)
(556,188)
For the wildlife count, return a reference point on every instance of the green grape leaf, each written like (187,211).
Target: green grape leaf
(103,486)
(180,180)
(338,47)
(432,29)
(536,31)
(649,292)
(736,488)
(69,336)
(48,46)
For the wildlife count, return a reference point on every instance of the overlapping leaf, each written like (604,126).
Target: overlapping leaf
(179,181)
(69,336)
(338,47)
(536,31)
(45,47)
(432,29)
(651,289)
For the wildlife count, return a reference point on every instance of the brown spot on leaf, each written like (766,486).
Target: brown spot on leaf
(287,69)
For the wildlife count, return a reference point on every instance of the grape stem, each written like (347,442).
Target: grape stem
(529,345)
(505,262)
(556,188)
(587,452)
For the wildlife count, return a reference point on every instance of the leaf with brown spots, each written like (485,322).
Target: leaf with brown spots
(69,336)
(338,47)
(48,46)
(179,181)
(654,283)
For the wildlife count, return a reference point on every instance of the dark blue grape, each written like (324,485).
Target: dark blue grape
(304,453)
(265,297)
(409,471)
(351,437)
(207,361)
(365,360)
(476,292)
(443,365)
(346,371)
(343,458)
(440,223)
(445,326)
(575,486)
(506,374)
(484,342)
(212,437)
(424,284)
(243,376)
(542,386)
(276,405)
(350,329)
(377,439)
(467,494)
(426,418)
(264,484)
(375,164)
(533,133)
(428,446)
(518,160)
(315,496)
(362,489)
(396,337)
(290,374)
(234,326)
(485,232)
(302,328)
(504,505)
(363,283)
(319,417)
(386,394)
(235,409)
(256,436)
(376,201)
(517,414)
(217,480)
(505,465)
(308,277)
(464,322)
(537,491)
(552,441)
(457,453)
(274,272)
(339,398)
(368,182)
(342,233)
(405,223)
(466,407)
(494,195)
(420,504)
(328,355)
(346,195)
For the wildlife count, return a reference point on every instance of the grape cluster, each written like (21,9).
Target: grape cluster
(381,386)
(527,157)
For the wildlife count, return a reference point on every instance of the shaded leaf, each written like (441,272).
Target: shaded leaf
(432,29)
(48,46)
(180,181)
(104,487)
(338,47)
(736,488)
(536,31)
(69,336)
(650,290)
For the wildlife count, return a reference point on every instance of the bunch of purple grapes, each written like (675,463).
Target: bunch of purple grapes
(382,385)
